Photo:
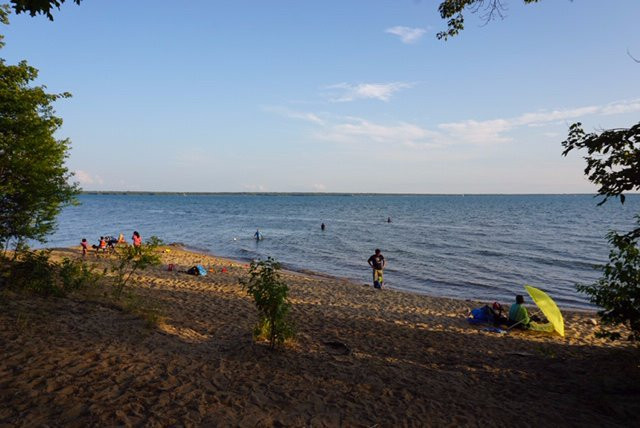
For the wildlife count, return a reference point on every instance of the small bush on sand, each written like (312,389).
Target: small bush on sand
(76,274)
(34,271)
(130,259)
(270,295)
(154,241)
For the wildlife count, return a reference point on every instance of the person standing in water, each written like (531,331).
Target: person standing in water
(257,235)
(388,219)
(322,226)
(377,263)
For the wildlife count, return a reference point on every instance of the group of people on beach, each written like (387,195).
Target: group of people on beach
(108,243)
(516,317)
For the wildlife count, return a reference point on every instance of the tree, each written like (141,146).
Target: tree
(34,181)
(613,163)
(453,11)
(34,7)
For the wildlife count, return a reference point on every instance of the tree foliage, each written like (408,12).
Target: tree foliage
(613,163)
(35,7)
(270,295)
(618,291)
(34,181)
(613,158)
(453,11)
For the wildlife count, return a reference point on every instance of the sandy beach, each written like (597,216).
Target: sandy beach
(361,357)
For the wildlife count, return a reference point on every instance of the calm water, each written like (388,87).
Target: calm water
(480,247)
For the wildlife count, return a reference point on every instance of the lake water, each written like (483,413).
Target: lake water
(482,247)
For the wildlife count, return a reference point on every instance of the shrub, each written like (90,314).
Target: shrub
(34,271)
(618,291)
(270,295)
(130,259)
(154,241)
(76,274)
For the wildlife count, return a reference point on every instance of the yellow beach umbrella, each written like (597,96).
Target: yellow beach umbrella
(548,308)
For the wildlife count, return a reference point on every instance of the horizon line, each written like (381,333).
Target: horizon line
(162,192)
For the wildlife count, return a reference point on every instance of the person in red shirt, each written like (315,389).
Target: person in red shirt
(85,246)
(137,240)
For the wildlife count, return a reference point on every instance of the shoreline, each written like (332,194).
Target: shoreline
(355,282)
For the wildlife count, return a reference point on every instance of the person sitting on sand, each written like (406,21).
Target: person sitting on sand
(518,314)
(497,315)
(102,245)
(111,242)
(85,246)
(377,263)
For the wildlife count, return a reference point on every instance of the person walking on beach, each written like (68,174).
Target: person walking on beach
(377,263)
(85,247)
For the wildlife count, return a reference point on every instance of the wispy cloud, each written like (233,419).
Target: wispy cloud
(407,35)
(86,178)
(477,132)
(356,130)
(492,131)
(300,115)
(351,130)
(344,92)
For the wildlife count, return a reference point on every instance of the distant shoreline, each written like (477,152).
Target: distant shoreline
(162,193)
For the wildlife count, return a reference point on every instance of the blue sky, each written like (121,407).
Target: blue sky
(332,96)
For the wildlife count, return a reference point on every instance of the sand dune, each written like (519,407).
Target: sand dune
(361,357)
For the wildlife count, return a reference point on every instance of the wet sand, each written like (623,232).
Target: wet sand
(361,357)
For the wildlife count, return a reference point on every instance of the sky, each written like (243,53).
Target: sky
(331,96)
